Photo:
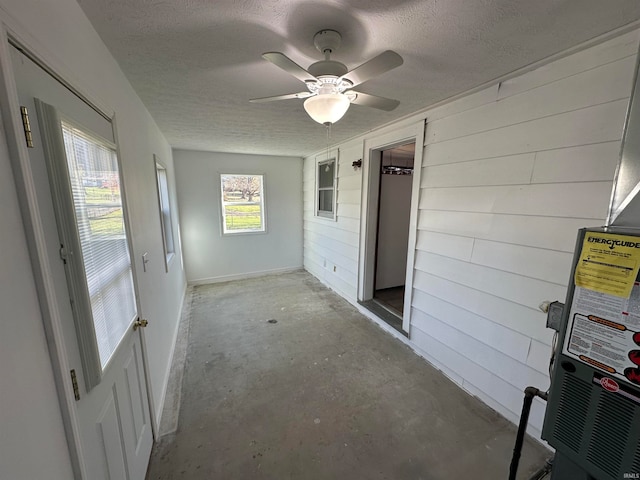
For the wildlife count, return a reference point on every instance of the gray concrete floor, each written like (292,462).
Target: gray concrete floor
(324,393)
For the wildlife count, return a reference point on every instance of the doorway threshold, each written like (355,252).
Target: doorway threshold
(386,314)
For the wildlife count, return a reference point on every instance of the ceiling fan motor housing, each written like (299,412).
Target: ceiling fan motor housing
(327,67)
(327,40)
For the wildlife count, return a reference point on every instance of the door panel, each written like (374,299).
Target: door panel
(114,435)
(109,429)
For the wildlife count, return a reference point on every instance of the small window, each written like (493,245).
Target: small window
(242,203)
(326,185)
(165,213)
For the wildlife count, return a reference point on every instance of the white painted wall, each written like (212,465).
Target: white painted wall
(212,257)
(30,421)
(331,246)
(393,230)
(509,175)
(30,416)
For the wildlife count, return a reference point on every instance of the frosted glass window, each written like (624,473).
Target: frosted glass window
(95,184)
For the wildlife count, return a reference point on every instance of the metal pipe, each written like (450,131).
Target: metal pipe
(529,394)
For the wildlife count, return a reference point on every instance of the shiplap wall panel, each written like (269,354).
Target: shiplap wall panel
(526,320)
(351,182)
(339,234)
(437,362)
(538,356)
(345,222)
(553,233)
(517,176)
(548,265)
(586,163)
(343,261)
(526,291)
(548,199)
(346,210)
(349,196)
(591,124)
(340,248)
(504,397)
(510,170)
(482,97)
(443,244)
(593,57)
(599,85)
(506,340)
(480,353)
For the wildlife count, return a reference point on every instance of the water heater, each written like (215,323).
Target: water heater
(593,412)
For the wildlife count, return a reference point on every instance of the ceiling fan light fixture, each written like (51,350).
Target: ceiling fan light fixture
(327,108)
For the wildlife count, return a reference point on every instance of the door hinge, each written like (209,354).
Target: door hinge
(27,126)
(74,383)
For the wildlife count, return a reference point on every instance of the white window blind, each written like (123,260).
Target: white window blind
(95,183)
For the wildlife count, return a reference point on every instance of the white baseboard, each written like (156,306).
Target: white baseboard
(242,276)
(158,409)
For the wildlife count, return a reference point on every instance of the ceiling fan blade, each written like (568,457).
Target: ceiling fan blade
(282,97)
(372,101)
(289,66)
(384,62)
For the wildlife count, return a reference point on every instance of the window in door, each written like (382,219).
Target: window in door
(164,205)
(326,188)
(102,274)
(242,200)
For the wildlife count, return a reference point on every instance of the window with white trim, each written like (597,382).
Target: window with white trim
(326,188)
(164,205)
(242,201)
(94,178)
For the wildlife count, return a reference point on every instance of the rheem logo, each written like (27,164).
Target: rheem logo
(609,384)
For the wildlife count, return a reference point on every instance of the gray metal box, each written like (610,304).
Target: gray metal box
(597,429)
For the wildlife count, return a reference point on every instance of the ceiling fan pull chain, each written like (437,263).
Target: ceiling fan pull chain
(328,126)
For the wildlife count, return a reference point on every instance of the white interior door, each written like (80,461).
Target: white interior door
(110,420)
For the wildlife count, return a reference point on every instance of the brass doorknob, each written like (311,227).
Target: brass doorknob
(140,324)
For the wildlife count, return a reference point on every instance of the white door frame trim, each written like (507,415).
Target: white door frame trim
(368,215)
(34,231)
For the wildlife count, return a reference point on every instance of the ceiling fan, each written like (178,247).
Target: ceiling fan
(329,83)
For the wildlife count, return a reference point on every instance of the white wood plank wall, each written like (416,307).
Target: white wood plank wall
(509,175)
(331,247)
(505,185)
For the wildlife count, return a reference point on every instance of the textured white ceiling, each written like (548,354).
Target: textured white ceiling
(196,63)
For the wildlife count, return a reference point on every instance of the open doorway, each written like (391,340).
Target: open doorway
(394,206)
(389,209)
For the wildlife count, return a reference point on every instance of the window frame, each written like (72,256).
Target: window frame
(263,206)
(52,124)
(169,254)
(331,158)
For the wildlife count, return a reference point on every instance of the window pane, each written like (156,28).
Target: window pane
(325,174)
(165,209)
(325,201)
(95,184)
(242,203)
